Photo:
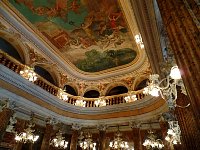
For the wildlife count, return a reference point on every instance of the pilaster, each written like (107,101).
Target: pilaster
(184,37)
(102,136)
(47,136)
(74,138)
(5,115)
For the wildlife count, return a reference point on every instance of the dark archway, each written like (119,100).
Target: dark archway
(45,74)
(117,90)
(141,85)
(92,94)
(70,90)
(10,50)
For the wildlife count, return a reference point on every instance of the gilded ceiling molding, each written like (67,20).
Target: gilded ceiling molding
(25,28)
(145,16)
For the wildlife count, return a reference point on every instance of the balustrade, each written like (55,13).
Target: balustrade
(16,66)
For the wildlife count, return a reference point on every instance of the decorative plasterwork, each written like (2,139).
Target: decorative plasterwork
(31,98)
(145,16)
(47,50)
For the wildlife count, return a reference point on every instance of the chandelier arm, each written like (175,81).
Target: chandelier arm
(165,87)
(183,106)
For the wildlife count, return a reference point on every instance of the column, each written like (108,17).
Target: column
(74,138)
(184,37)
(47,136)
(4,117)
(102,137)
(164,129)
(136,136)
(189,129)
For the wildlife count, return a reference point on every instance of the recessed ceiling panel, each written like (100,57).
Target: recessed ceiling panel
(91,34)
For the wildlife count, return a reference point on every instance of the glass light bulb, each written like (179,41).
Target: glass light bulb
(175,73)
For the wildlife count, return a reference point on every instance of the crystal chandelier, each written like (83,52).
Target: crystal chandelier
(87,143)
(100,102)
(80,103)
(151,142)
(138,40)
(59,141)
(27,135)
(118,142)
(168,92)
(29,74)
(173,133)
(62,95)
(130,98)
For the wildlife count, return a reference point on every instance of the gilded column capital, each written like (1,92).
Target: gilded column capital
(102,127)
(135,124)
(76,127)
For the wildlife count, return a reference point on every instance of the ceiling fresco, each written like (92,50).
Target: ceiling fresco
(91,34)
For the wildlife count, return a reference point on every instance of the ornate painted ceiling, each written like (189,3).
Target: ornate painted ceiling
(92,34)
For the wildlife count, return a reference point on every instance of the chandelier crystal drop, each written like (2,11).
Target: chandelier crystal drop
(28,135)
(80,103)
(59,141)
(29,74)
(118,142)
(87,143)
(173,133)
(151,142)
(100,102)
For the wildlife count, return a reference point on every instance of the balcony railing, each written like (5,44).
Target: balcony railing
(16,66)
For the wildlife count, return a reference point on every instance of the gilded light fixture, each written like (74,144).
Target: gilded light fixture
(87,142)
(28,134)
(169,91)
(173,133)
(151,142)
(59,141)
(29,74)
(118,142)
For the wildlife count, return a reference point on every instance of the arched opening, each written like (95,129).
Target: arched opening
(141,85)
(70,90)
(117,90)
(10,50)
(44,73)
(92,94)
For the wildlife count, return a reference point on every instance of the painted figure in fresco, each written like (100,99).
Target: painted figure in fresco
(74,6)
(86,26)
(113,20)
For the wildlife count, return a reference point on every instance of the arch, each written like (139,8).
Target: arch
(10,50)
(112,85)
(141,85)
(17,44)
(117,90)
(71,90)
(45,74)
(91,94)
(138,80)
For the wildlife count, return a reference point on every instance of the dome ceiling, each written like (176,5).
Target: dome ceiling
(92,36)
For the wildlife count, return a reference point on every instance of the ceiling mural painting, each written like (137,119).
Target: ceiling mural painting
(91,34)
